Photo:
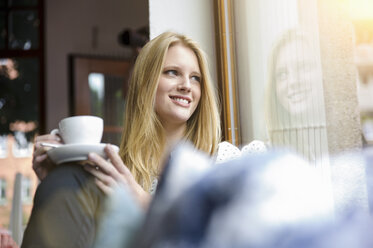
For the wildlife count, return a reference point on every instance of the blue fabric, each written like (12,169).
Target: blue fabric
(120,221)
(264,201)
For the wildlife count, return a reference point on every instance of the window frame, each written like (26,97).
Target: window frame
(227,83)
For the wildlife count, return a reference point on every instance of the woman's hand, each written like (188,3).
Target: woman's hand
(6,240)
(40,162)
(110,175)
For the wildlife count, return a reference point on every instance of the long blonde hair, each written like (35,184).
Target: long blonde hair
(143,140)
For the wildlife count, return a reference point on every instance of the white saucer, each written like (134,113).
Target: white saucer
(76,152)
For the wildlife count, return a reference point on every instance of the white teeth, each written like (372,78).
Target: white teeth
(181,100)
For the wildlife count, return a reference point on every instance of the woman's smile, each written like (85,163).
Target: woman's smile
(181,100)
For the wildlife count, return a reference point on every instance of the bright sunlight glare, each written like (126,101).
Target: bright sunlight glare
(361,9)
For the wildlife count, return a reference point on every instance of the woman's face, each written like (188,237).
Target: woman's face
(296,77)
(179,86)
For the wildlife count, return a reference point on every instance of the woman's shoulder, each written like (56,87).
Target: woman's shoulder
(227,151)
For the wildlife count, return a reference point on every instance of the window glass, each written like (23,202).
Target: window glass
(2,191)
(283,105)
(3,146)
(23,30)
(20,85)
(107,101)
(23,3)
(19,94)
(362,19)
(26,190)
(2,30)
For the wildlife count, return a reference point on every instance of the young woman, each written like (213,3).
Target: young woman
(295,109)
(171,98)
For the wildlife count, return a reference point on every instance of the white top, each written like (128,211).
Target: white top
(227,151)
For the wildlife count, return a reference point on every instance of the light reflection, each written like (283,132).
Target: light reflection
(361,9)
(96,84)
(8,68)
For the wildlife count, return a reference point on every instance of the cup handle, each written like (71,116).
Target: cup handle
(55,132)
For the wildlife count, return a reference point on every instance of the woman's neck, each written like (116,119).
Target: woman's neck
(173,134)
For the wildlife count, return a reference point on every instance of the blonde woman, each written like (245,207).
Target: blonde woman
(294,102)
(171,98)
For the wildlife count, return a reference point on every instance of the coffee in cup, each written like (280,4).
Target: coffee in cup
(81,129)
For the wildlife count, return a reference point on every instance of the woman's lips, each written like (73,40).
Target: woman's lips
(182,101)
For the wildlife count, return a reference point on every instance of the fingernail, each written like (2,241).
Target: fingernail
(91,155)
(109,147)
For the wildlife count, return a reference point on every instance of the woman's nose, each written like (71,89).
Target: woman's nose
(184,85)
(293,79)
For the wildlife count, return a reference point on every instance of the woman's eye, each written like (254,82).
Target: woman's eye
(171,72)
(196,78)
(281,75)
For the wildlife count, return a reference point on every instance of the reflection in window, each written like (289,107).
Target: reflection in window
(295,116)
(3,146)
(2,29)
(26,190)
(107,101)
(21,81)
(19,3)
(22,147)
(19,94)
(362,19)
(96,83)
(23,30)
(2,191)
(283,104)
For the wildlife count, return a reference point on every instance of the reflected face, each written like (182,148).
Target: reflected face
(179,87)
(296,77)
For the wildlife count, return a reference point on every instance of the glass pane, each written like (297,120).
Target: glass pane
(27,190)
(19,96)
(96,83)
(2,191)
(19,115)
(107,101)
(3,3)
(285,99)
(23,30)
(2,29)
(22,3)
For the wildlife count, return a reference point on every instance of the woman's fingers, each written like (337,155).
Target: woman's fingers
(118,163)
(36,162)
(40,163)
(107,179)
(100,162)
(114,158)
(105,182)
(106,167)
(114,173)
(50,138)
(106,189)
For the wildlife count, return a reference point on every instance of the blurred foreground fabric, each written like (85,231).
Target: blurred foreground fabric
(266,200)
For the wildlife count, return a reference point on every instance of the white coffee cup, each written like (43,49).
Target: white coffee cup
(81,129)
